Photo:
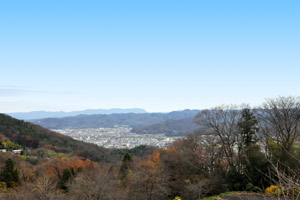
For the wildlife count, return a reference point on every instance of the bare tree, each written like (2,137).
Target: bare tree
(279,122)
(287,184)
(45,189)
(95,184)
(222,122)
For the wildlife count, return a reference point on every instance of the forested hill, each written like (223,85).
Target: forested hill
(33,136)
(131,119)
(170,127)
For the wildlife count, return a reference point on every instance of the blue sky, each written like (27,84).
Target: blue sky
(160,55)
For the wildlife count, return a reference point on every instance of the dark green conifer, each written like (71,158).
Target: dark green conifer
(65,179)
(125,165)
(248,128)
(9,174)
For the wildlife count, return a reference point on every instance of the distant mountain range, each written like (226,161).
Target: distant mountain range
(173,123)
(176,123)
(169,127)
(45,114)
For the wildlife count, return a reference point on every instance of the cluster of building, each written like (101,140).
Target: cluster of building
(16,151)
(117,137)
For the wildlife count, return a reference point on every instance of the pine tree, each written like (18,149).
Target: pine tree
(9,174)
(248,128)
(252,161)
(125,165)
(65,179)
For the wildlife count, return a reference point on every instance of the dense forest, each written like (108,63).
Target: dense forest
(238,148)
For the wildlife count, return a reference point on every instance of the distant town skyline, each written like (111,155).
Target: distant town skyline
(156,55)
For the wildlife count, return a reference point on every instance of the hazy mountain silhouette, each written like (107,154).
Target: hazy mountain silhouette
(133,120)
(47,114)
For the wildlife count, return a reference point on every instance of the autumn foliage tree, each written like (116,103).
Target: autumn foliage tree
(149,180)
(56,166)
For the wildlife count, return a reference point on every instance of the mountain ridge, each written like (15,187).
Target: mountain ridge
(170,127)
(133,120)
(33,115)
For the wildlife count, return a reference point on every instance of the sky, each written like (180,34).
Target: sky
(160,55)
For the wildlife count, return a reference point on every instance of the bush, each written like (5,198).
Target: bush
(250,187)
(236,181)
(274,190)
(178,198)
(3,186)
(33,161)
(283,191)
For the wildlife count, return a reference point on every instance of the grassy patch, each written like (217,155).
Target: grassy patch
(212,198)
(219,197)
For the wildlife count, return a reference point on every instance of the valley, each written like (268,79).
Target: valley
(118,137)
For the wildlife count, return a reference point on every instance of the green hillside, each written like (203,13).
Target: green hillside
(34,136)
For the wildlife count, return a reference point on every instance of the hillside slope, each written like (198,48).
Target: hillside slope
(33,136)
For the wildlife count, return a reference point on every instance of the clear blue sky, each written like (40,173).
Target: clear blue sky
(160,55)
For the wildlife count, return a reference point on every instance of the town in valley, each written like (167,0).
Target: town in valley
(117,137)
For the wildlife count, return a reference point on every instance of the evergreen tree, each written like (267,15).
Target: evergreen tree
(65,179)
(248,128)
(125,165)
(253,163)
(9,174)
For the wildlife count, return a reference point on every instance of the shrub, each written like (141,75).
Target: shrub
(274,190)
(3,186)
(236,181)
(33,161)
(250,187)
